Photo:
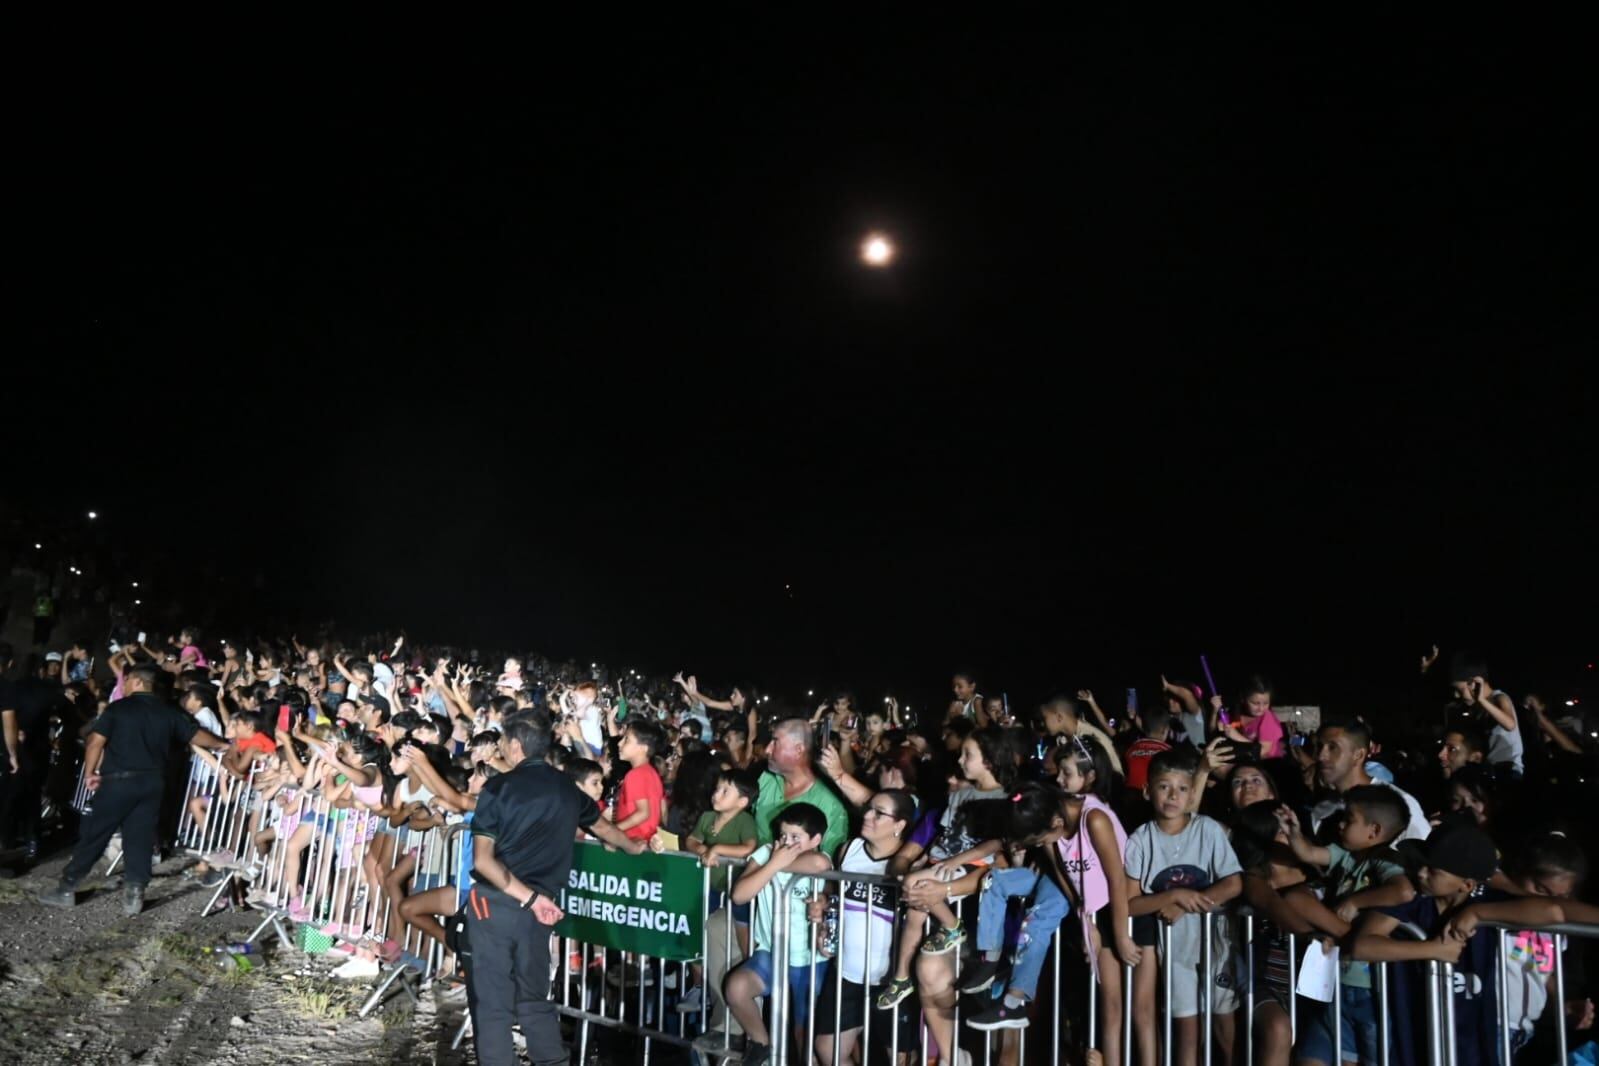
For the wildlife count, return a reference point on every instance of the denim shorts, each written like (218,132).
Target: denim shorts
(1359,1026)
(799,983)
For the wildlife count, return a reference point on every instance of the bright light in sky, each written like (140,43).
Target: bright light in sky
(877,250)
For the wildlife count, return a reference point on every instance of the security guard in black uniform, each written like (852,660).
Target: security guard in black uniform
(126,763)
(522,838)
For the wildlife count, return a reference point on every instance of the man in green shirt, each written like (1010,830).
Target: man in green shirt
(790,779)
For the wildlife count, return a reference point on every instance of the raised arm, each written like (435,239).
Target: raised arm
(857,793)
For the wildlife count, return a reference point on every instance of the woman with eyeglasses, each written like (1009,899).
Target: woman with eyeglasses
(885,822)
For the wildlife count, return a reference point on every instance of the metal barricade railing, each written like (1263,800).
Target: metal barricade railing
(314,868)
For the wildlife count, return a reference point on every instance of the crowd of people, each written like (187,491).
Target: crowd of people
(1143,837)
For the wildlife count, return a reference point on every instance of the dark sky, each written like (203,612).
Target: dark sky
(1276,346)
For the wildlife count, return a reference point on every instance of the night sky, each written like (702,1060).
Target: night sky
(1276,347)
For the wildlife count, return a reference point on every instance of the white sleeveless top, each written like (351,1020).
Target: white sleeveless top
(852,929)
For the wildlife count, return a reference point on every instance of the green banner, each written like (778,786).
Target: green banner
(651,904)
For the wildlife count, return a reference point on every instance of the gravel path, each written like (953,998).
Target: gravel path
(90,987)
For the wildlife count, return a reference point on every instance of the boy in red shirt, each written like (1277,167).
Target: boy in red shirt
(1153,724)
(639,803)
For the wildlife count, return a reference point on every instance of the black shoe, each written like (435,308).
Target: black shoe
(757,1054)
(981,976)
(132,899)
(999,1016)
(63,895)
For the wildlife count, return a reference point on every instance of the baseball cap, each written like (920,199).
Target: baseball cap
(376,701)
(52,656)
(1454,847)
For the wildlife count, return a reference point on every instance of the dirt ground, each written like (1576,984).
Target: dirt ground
(91,986)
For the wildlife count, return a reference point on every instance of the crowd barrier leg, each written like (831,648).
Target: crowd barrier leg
(866,975)
(1338,1021)
(1167,968)
(1207,926)
(952,1054)
(1293,991)
(583,994)
(779,1034)
(1127,1004)
(186,816)
(898,931)
(1434,1016)
(1446,992)
(1249,990)
(1559,1004)
(1502,1004)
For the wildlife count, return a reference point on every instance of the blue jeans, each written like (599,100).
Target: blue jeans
(1358,1015)
(1044,915)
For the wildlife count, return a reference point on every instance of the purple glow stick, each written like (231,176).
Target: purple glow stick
(1204,664)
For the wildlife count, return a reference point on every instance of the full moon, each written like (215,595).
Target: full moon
(877,250)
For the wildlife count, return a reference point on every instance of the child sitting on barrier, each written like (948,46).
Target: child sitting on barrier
(726,831)
(778,869)
(422,909)
(1092,846)
(1179,867)
(1361,873)
(988,766)
(1450,866)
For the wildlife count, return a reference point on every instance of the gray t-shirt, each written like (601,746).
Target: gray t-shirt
(954,836)
(1196,858)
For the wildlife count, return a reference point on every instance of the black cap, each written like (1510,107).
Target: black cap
(1454,847)
(372,699)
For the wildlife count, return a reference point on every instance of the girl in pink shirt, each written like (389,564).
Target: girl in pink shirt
(1093,847)
(1257,723)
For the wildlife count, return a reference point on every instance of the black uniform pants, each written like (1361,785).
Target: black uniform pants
(509,981)
(131,804)
(24,803)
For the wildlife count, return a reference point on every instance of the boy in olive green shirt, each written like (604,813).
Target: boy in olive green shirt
(726,831)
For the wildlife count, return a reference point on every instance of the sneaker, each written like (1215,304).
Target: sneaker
(711,1043)
(944,941)
(999,1016)
(693,1001)
(757,1054)
(63,895)
(132,899)
(213,878)
(896,991)
(356,969)
(981,975)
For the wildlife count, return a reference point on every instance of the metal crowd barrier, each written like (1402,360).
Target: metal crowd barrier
(593,1002)
(324,880)
(320,877)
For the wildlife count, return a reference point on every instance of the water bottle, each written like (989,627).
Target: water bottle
(234,963)
(830,933)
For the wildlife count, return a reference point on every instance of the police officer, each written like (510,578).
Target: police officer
(125,762)
(522,837)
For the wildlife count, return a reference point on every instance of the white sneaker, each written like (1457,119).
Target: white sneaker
(692,1002)
(356,969)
